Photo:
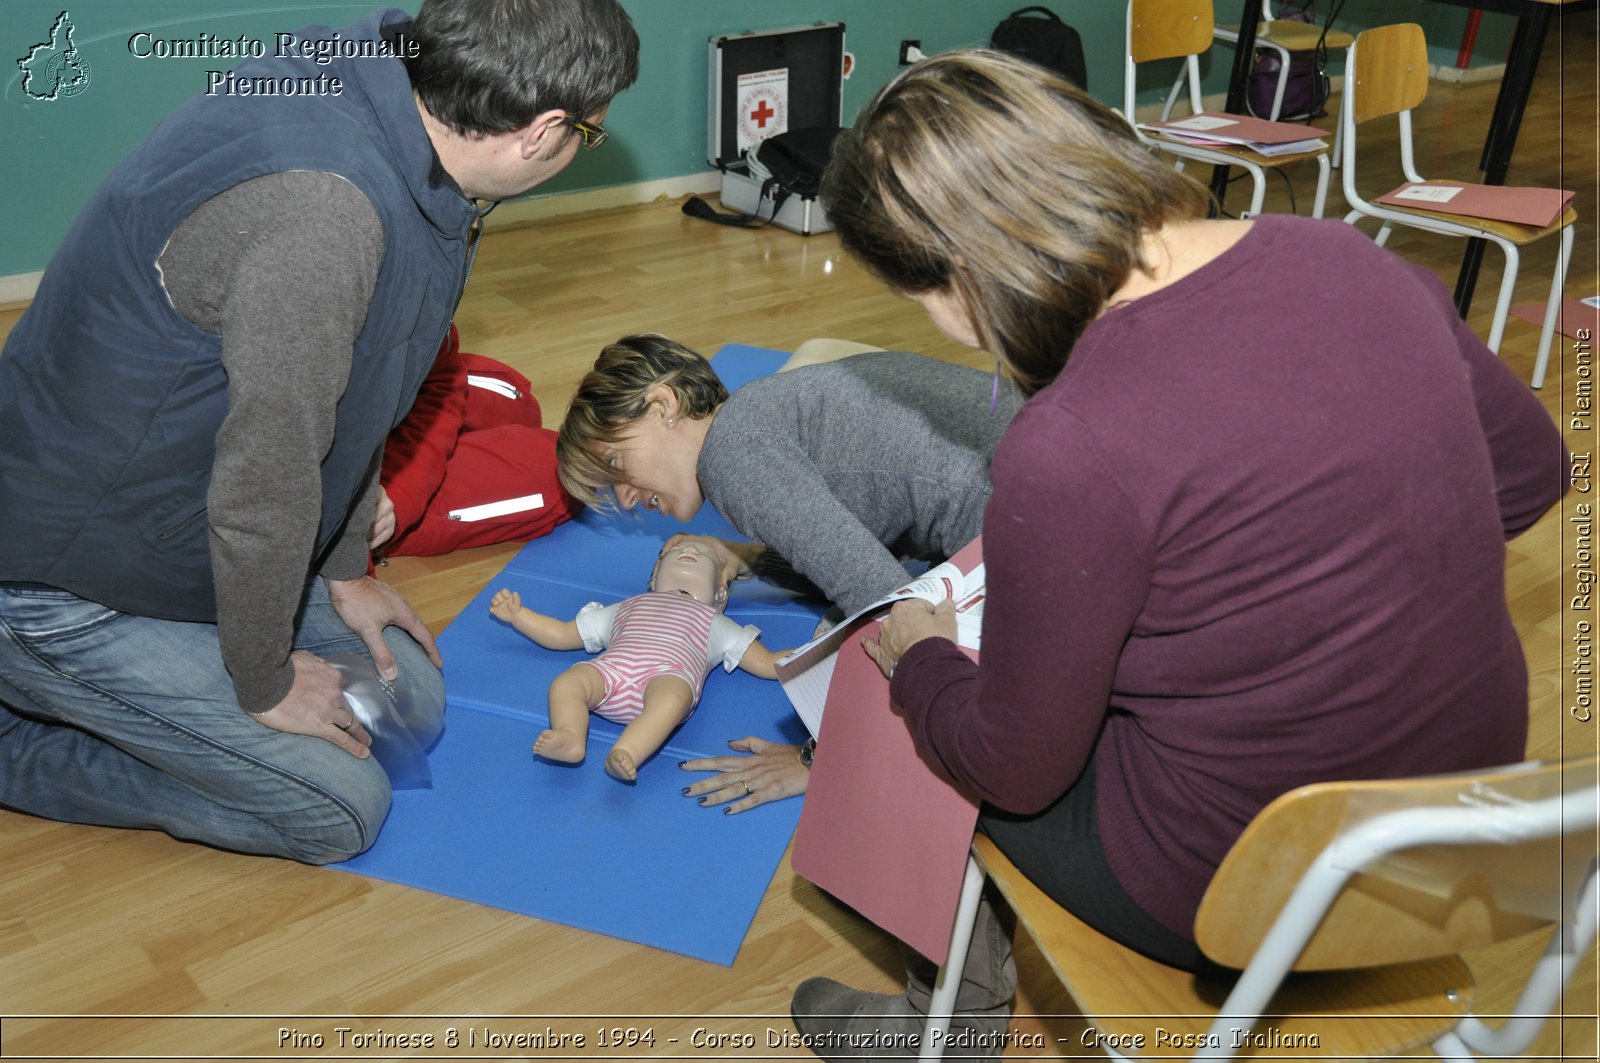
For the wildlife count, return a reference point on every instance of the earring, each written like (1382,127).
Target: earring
(671,421)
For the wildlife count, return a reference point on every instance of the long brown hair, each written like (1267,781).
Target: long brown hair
(981,173)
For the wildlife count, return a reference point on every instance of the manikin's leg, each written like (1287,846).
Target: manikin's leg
(667,701)
(572,694)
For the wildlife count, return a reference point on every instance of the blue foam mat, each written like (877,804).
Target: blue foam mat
(569,844)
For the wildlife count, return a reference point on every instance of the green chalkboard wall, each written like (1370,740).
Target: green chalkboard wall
(54,151)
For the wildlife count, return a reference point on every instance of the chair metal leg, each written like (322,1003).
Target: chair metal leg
(1450,1049)
(1502,305)
(1283,77)
(942,1002)
(1552,308)
(1561,957)
(1258,188)
(1172,97)
(1324,175)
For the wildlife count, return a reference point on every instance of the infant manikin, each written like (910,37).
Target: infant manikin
(655,651)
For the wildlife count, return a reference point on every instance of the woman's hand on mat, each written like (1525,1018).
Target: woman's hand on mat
(907,624)
(367,607)
(770,772)
(383,521)
(315,706)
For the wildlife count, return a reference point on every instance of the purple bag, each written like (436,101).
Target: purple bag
(1308,87)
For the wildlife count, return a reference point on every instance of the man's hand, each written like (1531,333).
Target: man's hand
(367,607)
(383,522)
(315,706)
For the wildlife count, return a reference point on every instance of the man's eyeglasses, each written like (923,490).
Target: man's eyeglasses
(592,135)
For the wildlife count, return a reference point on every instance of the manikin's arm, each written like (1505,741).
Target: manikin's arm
(760,661)
(547,631)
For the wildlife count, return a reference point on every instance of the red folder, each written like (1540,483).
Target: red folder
(1574,317)
(1520,205)
(1235,129)
(882,828)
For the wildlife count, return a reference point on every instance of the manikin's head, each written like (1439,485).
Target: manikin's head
(692,565)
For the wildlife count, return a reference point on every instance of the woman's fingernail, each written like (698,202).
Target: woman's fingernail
(727,811)
(686,791)
(701,801)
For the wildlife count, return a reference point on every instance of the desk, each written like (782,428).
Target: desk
(1533,21)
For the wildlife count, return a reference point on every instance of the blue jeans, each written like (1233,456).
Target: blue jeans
(127,721)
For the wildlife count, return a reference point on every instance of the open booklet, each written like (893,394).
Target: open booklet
(806,671)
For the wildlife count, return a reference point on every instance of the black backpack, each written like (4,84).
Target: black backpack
(1047,41)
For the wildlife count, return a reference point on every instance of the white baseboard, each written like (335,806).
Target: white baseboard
(1454,75)
(21,287)
(535,208)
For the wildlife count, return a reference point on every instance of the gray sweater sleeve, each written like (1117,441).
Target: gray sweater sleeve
(845,468)
(771,489)
(282,267)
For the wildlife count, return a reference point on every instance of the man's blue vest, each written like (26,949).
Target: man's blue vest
(110,400)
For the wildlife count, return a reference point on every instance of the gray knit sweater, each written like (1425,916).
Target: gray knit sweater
(847,467)
(283,268)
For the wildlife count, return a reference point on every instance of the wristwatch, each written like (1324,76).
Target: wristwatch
(808,750)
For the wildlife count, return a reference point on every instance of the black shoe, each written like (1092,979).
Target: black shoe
(839,1023)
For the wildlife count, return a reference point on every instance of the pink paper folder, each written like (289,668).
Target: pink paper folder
(1520,205)
(1236,129)
(881,828)
(1574,317)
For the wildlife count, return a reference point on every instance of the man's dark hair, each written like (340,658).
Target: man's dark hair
(491,66)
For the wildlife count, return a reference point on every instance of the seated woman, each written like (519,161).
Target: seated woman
(843,469)
(658,648)
(1238,542)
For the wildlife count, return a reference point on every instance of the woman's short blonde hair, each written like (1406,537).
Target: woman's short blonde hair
(983,174)
(615,394)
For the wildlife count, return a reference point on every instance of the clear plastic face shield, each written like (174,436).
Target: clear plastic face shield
(401,732)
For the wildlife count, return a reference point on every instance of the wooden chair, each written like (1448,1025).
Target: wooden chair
(1283,36)
(1182,29)
(1388,75)
(1368,891)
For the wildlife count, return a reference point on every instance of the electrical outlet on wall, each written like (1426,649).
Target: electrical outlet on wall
(910,52)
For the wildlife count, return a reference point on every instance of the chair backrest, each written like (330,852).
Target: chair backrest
(1167,29)
(1421,867)
(1388,71)
(1164,29)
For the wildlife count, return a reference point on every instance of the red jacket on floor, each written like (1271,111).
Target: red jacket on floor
(473,438)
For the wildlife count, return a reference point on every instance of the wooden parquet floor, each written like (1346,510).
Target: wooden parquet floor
(104,931)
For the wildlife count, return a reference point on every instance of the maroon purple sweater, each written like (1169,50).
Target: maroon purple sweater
(1251,537)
